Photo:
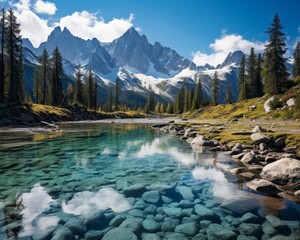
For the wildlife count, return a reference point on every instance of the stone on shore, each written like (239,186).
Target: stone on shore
(258,138)
(262,185)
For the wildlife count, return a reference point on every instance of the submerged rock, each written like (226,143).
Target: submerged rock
(218,232)
(151,197)
(135,190)
(186,193)
(262,185)
(151,226)
(241,205)
(63,233)
(190,228)
(120,234)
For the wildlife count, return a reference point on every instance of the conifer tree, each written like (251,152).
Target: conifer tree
(169,108)
(296,64)
(258,78)
(162,108)
(180,100)
(89,89)
(117,103)
(191,98)
(242,80)
(110,100)
(157,107)
(56,80)
(150,102)
(186,102)
(2,59)
(228,95)
(78,94)
(70,93)
(14,58)
(197,102)
(251,87)
(214,90)
(28,97)
(94,95)
(274,70)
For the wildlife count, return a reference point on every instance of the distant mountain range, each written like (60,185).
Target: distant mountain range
(140,66)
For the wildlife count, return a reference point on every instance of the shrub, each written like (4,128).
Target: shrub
(276,103)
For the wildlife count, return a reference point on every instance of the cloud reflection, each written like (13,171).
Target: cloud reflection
(84,203)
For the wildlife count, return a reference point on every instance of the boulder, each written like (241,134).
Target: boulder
(133,224)
(120,234)
(151,226)
(280,142)
(291,102)
(135,190)
(248,159)
(258,138)
(175,236)
(284,171)
(150,236)
(219,232)
(250,218)
(273,220)
(169,224)
(264,186)
(116,221)
(173,212)
(190,228)
(206,213)
(185,192)
(241,205)
(252,107)
(258,129)
(263,146)
(151,197)
(94,235)
(250,229)
(269,229)
(63,233)
(267,106)
(202,141)
(76,226)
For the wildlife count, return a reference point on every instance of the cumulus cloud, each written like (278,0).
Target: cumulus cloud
(83,24)
(42,7)
(88,25)
(223,46)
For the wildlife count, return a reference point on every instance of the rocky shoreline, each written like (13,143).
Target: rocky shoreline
(270,167)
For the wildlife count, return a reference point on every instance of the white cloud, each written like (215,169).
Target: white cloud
(223,46)
(88,25)
(48,8)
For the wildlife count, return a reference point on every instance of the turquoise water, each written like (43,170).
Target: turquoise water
(107,180)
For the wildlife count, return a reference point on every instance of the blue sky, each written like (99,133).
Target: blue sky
(188,26)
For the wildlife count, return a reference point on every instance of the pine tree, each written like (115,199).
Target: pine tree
(228,95)
(169,108)
(78,94)
(2,59)
(296,64)
(117,103)
(162,108)
(242,80)
(251,87)
(94,94)
(89,89)
(110,100)
(56,80)
(150,102)
(214,90)
(274,71)
(258,78)
(28,97)
(14,58)
(198,96)
(70,93)
(186,102)
(180,100)
(191,98)
(20,78)
(157,107)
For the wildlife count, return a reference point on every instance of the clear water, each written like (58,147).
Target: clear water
(51,179)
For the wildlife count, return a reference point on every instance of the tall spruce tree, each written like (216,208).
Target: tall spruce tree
(14,58)
(42,78)
(228,95)
(169,108)
(2,56)
(56,80)
(150,102)
(191,98)
(274,70)
(197,102)
(214,89)
(95,94)
(110,100)
(258,79)
(89,89)
(186,101)
(117,102)
(251,87)
(70,93)
(78,94)
(296,64)
(242,80)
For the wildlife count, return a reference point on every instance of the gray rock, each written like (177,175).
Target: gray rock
(291,149)
(249,159)
(190,228)
(258,129)
(200,236)
(267,104)
(63,233)
(263,146)
(269,229)
(151,226)
(173,212)
(205,213)
(250,229)
(150,236)
(151,197)
(280,142)
(166,199)
(243,237)
(137,213)
(169,224)
(76,226)
(94,221)
(284,171)
(218,232)
(151,209)
(175,236)
(116,221)
(291,102)
(94,235)
(250,218)
(258,138)
(120,234)
(135,190)
(140,205)
(43,234)
(262,185)
(274,221)
(186,193)
(133,224)
(241,205)
(200,141)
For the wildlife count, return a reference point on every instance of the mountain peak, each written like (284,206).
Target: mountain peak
(233,57)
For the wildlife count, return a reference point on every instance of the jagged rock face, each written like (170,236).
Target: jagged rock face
(135,51)
(232,58)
